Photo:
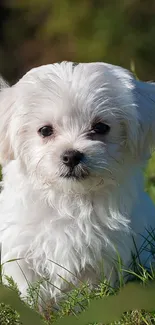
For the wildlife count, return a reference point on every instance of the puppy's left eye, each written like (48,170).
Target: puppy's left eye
(46,131)
(101,128)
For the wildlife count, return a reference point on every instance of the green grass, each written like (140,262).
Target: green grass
(78,299)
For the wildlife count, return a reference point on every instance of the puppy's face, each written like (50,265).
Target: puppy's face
(72,127)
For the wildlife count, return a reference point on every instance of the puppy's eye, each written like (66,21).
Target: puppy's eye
(100,128)
(46,131)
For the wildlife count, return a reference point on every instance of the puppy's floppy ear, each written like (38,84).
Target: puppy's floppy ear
(138,101)
(145,103)
(6,152)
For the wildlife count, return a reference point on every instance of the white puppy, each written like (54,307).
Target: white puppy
(74,140)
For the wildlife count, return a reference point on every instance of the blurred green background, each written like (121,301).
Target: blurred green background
(35,32)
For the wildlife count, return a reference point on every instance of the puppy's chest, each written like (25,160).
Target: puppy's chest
(71,229)
(67,235)
(70,233)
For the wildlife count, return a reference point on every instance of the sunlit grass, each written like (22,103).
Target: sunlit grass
(78,300)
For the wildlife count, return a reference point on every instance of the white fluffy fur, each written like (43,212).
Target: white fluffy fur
(71,229)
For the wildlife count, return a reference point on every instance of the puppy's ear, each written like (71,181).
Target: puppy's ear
(138,102)
(145,104)
(6,152)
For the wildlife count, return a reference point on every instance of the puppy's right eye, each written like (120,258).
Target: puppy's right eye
(46,131)
(101,128)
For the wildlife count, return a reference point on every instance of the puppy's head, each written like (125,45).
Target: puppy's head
(72,126)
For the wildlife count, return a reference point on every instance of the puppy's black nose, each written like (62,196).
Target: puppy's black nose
(71,158)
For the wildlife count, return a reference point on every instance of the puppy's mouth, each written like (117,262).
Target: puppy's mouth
(75,174)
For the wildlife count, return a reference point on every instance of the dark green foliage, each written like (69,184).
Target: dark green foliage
(38,32)
(8,316)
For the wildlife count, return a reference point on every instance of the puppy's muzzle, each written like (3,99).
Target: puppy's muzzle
(73,160)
